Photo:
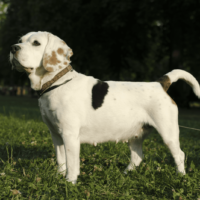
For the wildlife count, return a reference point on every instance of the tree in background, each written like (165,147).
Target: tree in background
(117,40)
(3,10)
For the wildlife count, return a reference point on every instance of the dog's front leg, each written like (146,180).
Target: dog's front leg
(135,146)
(72,151)
(60,152)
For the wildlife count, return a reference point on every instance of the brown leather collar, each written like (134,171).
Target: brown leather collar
(48,84)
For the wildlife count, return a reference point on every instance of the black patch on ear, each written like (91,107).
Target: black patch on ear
(99,91)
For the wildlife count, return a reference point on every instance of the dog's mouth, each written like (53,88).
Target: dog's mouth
(17,65)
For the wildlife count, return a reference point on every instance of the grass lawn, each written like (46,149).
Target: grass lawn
(28,163)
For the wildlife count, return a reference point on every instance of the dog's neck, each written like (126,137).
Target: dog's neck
(52,78)
(58,75)
(49,85)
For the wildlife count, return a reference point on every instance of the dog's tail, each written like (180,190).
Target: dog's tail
(177,74)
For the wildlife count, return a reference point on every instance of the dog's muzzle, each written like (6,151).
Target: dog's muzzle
(14,49)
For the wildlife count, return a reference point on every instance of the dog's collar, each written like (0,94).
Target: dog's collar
(47,86)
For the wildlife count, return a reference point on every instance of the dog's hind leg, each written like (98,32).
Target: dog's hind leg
(60,152)
(172,141)
(167,126)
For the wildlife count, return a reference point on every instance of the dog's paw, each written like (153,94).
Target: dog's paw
(130,167)
(61,172)
(182,172)
(71,181)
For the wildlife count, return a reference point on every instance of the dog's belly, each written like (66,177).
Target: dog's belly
(95,135)
(114,125)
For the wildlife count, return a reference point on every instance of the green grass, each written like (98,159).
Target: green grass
(28,163)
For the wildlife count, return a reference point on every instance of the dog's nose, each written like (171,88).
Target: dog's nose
(15,48)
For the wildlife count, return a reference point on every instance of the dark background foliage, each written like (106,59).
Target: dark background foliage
(112,39)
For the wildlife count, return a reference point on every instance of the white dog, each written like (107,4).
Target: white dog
(81,109)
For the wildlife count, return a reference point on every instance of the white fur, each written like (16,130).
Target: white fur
(127,107)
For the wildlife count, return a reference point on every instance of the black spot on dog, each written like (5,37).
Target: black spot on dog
(99,91)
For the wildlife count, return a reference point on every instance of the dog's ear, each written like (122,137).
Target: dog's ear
(57,54)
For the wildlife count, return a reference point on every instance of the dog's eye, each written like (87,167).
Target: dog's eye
(36,43)
(20,41)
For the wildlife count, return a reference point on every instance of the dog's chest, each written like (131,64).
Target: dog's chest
(51,113)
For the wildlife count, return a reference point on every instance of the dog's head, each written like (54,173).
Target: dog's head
(38,53)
